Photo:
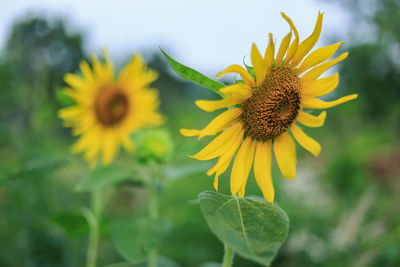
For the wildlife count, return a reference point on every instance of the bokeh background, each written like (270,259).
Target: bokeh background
(343,206)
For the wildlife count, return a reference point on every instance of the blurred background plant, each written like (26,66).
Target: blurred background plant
(342,206)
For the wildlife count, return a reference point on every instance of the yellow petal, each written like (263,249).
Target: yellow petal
(293,47)
(247,78)
(317,57)
(190,132)
(296,34)
(220,144)
(311,120)
(320,104)
(259,65)
(212,105)
(242,165)
(283,49)
(70,113)
(270,53)
(74,81)
(314,73)
(308,43)
(239,89)
(262,170)
(110,148)
(87,73)
(215,183)
(321,86)
(285,154)
(225,158)
(128,144)
(216,125)
(305,141)
(222,121)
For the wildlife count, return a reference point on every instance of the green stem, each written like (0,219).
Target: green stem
(228,257)
(93,218)
(153,214)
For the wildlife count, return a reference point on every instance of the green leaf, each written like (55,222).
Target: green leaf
(72,222)
(103,176)
(161,262)
(250,69)
(64,99)
(253,229)
(135,238)
(122,264)
(193,75)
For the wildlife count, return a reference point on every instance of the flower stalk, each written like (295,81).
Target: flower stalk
(228,256)
(93,218)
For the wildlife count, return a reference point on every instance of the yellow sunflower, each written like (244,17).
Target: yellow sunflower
(261,111)
(109,109)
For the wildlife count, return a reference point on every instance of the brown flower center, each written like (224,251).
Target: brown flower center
(274,106)
(111,106)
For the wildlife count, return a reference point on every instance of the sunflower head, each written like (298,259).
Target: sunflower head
(278,93)
(274,105)
(108,109)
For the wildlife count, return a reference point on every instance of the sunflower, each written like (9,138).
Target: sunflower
(108,110)
(267,104)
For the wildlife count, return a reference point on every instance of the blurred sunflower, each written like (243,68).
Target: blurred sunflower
(108,110)
(265,105)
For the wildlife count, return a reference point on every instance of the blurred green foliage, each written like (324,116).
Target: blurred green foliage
(342,207)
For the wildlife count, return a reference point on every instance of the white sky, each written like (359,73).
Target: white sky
(208,35)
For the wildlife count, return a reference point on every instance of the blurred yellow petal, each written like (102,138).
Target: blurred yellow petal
(242,165)
(110,148)
(247,78)
(316,103)
(293,47)
(321,86)
(311,120)
(74,81)
(220,144)
(259,65)
(87,73)
(314,73)
(190,132)
(270,53)
(317,57)
(308,43)
(283,49)
(262,169)
(70,113)
(212,105)
(285,154)
(305,141)
(128,144)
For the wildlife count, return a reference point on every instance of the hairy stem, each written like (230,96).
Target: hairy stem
(228,257)
(93,218)
(153,214)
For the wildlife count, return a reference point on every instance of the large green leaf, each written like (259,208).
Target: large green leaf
(193,75)
(161,262)
(135,238)
(103,176)
(254,229)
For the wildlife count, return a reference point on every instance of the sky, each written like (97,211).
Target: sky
(208,35)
